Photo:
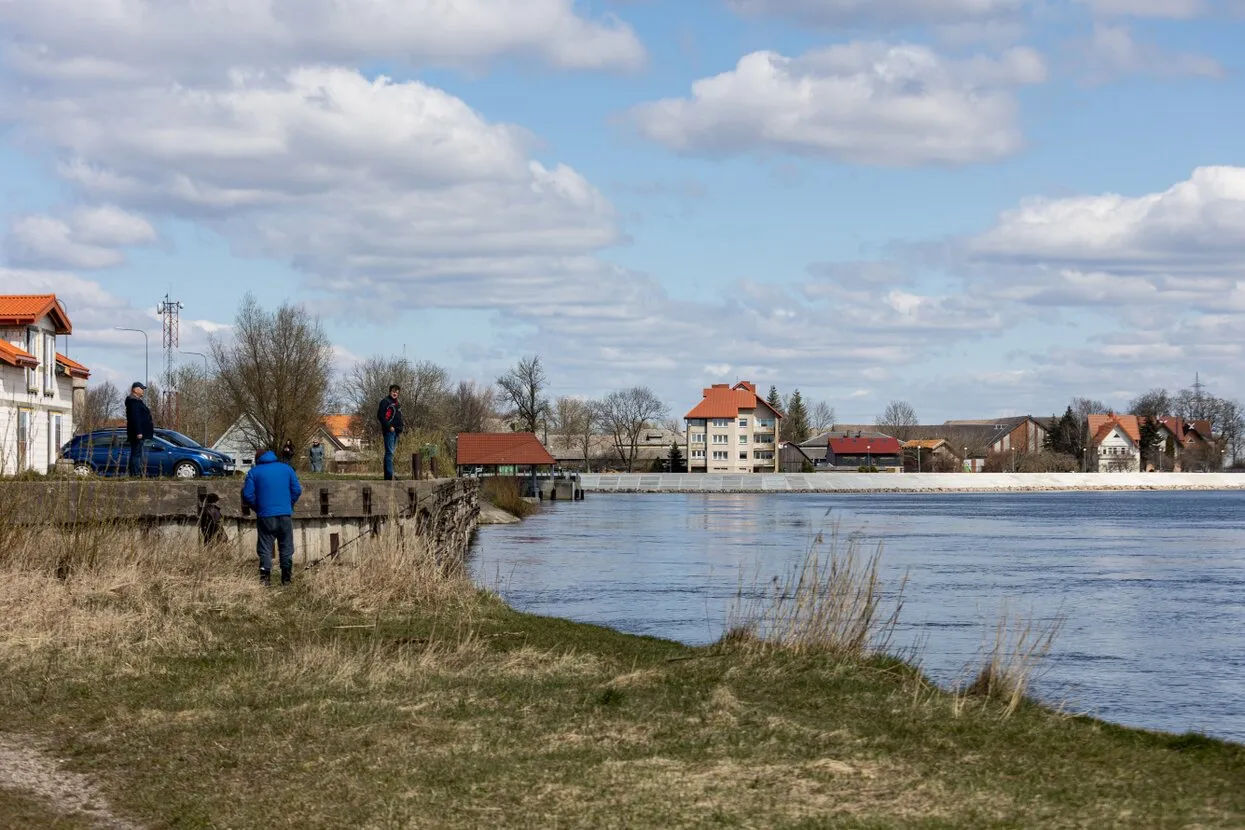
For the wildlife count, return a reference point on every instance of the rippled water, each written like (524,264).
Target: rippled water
(1151,585)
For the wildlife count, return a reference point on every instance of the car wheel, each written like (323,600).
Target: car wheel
(82,469)
(186,469)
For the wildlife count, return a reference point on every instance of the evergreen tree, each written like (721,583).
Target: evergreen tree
(1064,435)
(1150,440)
(676,458)
(795,425)
(774,399)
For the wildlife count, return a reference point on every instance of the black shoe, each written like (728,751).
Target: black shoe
(287,576)
(265,578)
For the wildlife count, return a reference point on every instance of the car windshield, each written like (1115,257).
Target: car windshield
(177,438)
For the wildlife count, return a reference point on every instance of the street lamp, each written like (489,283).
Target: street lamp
(1085,459)
(205,375)
(146,353)
(1013,459)
(869,456)
(968,465)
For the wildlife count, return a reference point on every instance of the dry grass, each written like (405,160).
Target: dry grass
(1011,661)
(832,601)
(504,491)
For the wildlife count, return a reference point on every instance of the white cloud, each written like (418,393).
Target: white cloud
(895,12)
(1111,52)
(869,103)
(1173,9)
(86,238)
(189,38)
(1196,227)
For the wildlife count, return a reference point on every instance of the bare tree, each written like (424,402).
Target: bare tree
(898,420)
(469,407)
(625,414)
(576,420)
(1153,404)
(425,389)
(103,403)
(275,369)
(523,390)
(821,417)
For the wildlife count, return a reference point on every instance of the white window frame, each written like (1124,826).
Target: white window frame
(721,423)
(32,348)
(721,439)
(743,440)
(743,423)
(25,434)
(698,453)
(721,455)
(698,438)
(49,365)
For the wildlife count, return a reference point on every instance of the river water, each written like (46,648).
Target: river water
(1150,587)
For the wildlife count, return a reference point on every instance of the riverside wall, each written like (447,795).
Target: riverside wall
(903,482)
(331,519)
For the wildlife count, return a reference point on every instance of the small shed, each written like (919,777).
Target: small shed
(853,453)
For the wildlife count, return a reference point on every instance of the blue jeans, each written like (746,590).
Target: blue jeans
(391,444)
(278,529)
(138,459)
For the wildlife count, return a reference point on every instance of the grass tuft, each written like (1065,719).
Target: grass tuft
(1011,661)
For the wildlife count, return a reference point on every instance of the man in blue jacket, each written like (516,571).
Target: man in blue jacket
(271,489)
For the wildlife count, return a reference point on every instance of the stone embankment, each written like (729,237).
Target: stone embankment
(904,482)
(330,516)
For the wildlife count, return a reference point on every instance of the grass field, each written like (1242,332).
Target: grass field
(390,694)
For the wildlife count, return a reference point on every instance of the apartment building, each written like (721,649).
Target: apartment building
(732,430)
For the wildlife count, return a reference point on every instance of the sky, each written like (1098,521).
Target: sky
(982,207)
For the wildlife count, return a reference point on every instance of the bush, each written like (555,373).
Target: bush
(864,469)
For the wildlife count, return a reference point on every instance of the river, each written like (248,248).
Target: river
(1150,586)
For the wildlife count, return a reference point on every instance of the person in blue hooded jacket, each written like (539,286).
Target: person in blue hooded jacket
(271,489)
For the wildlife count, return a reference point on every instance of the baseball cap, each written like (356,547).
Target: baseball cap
(138,384)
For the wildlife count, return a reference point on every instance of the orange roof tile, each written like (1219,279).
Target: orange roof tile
(72,367)
(1100,426)
(495,448)
(723,401)
(339,426)
(925,443)
(27,309)
(14,356)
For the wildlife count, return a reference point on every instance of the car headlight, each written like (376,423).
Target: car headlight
(207,457)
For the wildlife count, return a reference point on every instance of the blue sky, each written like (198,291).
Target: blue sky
(983,207)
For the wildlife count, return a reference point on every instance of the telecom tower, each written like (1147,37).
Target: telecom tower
(170,312)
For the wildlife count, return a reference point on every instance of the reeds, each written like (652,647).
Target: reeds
(831,601)
(504,492)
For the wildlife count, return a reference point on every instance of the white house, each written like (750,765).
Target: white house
(243,438)
(38,387)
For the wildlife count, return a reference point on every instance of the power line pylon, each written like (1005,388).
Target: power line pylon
(170,313)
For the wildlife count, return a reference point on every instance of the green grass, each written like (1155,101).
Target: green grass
(306,714)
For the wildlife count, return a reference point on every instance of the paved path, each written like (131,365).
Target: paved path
(903,482)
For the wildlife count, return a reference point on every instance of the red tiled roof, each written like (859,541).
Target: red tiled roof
(1100,427)
(72,367)
(494,448)
(14,356)
(339,426)
(723,401)
(1187,431)
(27,309)
(863,446)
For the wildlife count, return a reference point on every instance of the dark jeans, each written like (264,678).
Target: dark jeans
(391,444)
(278,529)
(138,459)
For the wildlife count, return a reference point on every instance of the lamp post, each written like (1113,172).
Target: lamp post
(146,353)
(968,465)
(1013,459)
(1085,459)
(205,374)
(868,457)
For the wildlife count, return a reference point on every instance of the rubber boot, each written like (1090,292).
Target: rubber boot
(287,576)
(265,578)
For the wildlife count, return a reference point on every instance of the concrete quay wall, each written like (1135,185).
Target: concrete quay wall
(903,482)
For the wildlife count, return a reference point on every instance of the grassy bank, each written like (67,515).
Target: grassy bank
(393,694)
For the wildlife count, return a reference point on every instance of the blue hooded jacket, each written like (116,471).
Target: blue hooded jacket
(271,488)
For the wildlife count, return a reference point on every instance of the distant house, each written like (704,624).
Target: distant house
(501,454)
(1115,444)
(1189,445)
(241,443)
(653,444)
(732,430)
(852,453)
(930,455)
(794,458)
(39,388)
(1022,433)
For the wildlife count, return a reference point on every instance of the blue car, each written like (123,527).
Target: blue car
(106,452)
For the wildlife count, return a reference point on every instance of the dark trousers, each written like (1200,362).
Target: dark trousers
(391,444)
(278,529)
(138,459)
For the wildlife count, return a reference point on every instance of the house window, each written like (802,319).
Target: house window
(764,439)
(743,439)
(721,423)
(24,424)
(55,437)
(720,455)
(32,347)
(765,423)
(49,364)
(743,423)
(743,456)
(698,453)
(698,438)
(720,439)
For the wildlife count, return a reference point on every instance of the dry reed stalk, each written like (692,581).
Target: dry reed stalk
(831,601)
(1010,663)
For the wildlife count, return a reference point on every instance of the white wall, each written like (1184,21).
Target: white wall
(42,407)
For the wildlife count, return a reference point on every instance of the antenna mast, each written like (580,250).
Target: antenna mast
(170,312)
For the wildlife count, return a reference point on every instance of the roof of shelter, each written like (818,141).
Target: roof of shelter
(502,448)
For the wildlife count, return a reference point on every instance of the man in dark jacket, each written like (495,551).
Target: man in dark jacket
(271,489)
(389,413)
(138,428)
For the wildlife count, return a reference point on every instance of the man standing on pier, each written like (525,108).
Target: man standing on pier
(272,490)
(138,428)
(389,413)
